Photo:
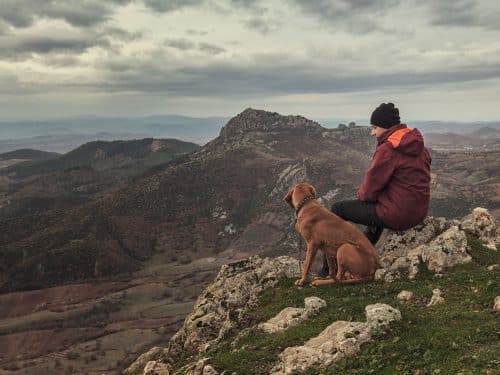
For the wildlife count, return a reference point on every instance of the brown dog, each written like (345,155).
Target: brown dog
(337,238)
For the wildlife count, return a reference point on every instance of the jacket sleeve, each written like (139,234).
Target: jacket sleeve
(379,174)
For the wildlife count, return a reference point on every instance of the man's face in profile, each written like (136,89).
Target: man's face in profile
(377,131)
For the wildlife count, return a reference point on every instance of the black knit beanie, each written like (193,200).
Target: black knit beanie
(385,116)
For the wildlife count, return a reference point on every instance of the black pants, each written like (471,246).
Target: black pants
(358,212)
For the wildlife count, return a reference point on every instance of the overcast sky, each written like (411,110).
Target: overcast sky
(436,59)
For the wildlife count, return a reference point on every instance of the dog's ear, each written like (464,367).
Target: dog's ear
(312,190)
(288,198)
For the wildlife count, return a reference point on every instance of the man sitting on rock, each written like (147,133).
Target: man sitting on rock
(396,188)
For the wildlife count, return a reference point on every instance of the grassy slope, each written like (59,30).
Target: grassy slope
(459,336)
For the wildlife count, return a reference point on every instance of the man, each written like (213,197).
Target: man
(396,188)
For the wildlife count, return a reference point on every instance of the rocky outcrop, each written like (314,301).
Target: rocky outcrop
(292,316)
(482,224)
(156,368)
(251,120)
(223,304)
(436,243)
(338,340)
(152,355)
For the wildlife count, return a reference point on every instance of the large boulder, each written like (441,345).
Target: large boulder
(437,243)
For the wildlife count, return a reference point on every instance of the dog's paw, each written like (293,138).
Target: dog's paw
(300,282)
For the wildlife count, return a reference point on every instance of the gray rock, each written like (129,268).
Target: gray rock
(380,315)
(483,225)
(405,295)
(138,365)
(222,306)
(496,303)
(292,316)
(156,368)
(398,243)
(446,250)
(436,298)
(338,340)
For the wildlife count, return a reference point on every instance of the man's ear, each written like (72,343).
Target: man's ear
(288,198)
(313,191)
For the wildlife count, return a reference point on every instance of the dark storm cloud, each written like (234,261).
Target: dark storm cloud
(356,16)
(182,44)
(24,48)
(17,48)
(196,32)
(211,49)
(245,3)
(269,75)
(23,13)
(462,13)
(261,25)
(164,6)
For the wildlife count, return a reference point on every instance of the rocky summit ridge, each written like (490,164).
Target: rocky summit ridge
(251,120)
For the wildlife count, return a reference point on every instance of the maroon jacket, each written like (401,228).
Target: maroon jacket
(398,180)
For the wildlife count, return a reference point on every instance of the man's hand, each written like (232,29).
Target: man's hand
(300,282)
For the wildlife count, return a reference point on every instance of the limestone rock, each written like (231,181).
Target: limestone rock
(380,315)
(338,340)
(446,250)
(436,298)
(209,370)
(496,304)
(482,224)
(201,367)
(153,354)
(292,316)
(156,368)
(398,243)
(493,267)
(222,306)
(405,295)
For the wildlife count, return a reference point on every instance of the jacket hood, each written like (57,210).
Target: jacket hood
(405,140)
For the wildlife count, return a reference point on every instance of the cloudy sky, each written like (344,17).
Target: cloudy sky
(437,60)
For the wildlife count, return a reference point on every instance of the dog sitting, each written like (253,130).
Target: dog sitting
(357,259)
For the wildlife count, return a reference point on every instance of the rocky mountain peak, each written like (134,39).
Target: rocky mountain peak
(258,120)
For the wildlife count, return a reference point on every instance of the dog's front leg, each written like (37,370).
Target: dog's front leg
(311,252)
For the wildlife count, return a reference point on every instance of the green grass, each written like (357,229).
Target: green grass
(459,336)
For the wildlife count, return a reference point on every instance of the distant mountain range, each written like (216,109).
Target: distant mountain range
(66,134)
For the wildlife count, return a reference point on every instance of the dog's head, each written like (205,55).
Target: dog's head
(299,192)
